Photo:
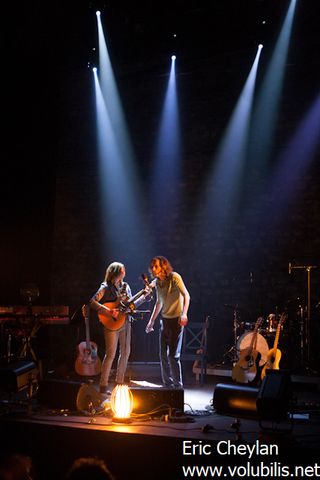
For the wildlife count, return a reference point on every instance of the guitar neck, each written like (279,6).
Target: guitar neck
(276,339)
(86,314)
(87,332)
(136,296)
(253,342)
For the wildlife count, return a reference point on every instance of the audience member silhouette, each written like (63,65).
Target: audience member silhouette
(16,466)
(90,468)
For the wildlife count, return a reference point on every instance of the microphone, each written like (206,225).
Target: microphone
(289,268)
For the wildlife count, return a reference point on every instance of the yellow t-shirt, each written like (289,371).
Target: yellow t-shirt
(170,293)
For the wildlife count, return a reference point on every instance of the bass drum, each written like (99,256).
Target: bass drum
(244,341)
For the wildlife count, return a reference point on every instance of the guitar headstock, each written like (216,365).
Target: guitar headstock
(85,311)
(149,286)
(145,279)
(258,323)
(283,318)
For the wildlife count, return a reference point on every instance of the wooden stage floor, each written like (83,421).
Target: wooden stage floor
(161,447)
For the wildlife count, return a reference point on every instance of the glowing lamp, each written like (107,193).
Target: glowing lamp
(121,403)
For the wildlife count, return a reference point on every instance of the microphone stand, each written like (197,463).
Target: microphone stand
(231,353)
(308,269)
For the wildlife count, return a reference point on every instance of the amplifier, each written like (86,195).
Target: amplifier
(146,400)
(58,394)
(17,375)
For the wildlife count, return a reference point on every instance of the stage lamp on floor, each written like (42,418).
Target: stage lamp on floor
(121,403)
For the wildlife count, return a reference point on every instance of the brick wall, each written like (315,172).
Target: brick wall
(245,263)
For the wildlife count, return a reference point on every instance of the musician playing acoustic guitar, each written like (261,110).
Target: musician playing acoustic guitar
(111,293)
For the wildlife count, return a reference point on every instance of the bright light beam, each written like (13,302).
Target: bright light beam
(296,160)
(122,230)
(262,132)
(220,196)
(167,167)
(121,196)
(229,163)
(110,172)
(281,190)
(112,97)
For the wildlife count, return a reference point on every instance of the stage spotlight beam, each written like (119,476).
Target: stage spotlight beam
(228,165)
(167,156)
(265,114)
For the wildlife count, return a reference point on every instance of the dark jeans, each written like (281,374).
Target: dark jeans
(170,342)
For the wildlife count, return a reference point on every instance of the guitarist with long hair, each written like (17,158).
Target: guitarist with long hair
(107,301)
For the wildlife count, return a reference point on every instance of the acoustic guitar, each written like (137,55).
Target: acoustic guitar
(246,368)
(125,306)
(274,354)
(87,362)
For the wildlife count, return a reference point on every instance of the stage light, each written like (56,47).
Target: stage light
(98,13)
(94,69)
(121,404)
(117,165)
(173,57)
(260,46)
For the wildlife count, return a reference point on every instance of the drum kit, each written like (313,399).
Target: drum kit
(265,336)
(243,333)
(298,324)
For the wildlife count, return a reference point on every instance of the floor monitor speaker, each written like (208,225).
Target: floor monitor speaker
(146,400)
(274,395)
(58,394)
(230,399)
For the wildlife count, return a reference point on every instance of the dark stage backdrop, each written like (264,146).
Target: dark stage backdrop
(50,200)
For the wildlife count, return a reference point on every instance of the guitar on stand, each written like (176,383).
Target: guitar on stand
(274,354)
(125,306)
(246,368)
(87,363)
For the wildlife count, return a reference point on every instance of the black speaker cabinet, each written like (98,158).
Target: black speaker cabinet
(230,399)
(147,399)
(58,394)
(274,395)
(17,375)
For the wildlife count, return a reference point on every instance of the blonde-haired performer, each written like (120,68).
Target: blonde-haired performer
(173,301)
(111,289)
